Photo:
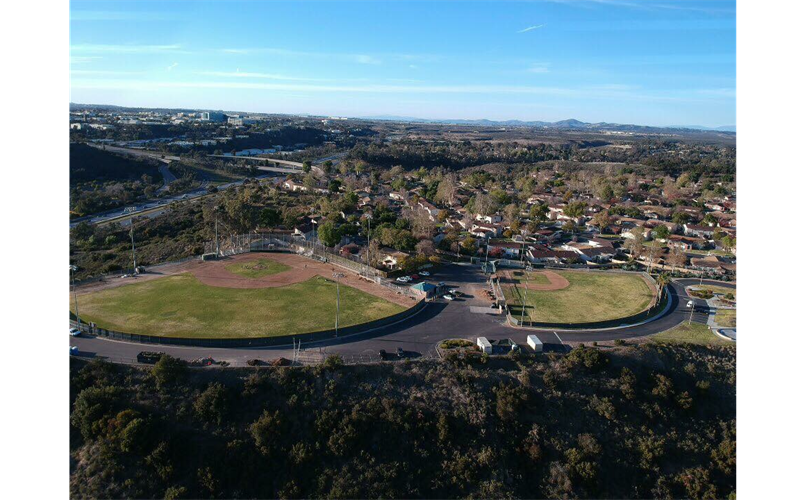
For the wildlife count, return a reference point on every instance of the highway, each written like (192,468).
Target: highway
(153,208)
(469,317)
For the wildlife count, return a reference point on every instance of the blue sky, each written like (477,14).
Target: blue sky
(663,62)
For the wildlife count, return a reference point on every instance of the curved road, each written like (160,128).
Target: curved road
(468,317)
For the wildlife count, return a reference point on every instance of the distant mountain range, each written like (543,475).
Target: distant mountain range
(571,124)
(563,124)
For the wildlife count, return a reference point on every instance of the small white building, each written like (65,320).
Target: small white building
(485,345)
(534,342)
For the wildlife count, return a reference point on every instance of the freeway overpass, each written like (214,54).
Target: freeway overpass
(289,163)
(136,152)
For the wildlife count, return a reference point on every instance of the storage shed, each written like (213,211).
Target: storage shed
(534,342)
(485,345)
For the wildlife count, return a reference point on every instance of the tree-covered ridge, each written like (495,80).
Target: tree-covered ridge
(651,421)
(668,157)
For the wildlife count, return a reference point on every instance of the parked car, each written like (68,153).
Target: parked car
(455,292)
(414,276)
(73,350)
(383,354)
(424,273)
(447,297)
(442,283)
(149,357)
(400,352)
(75,332)
(403,279)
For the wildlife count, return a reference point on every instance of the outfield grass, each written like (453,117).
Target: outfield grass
(256,268)
(695,333)
(181,306)
(591,296)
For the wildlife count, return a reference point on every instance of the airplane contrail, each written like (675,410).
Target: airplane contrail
(531,28)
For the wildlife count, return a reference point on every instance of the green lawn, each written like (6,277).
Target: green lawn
(695,333)
(718,289)
(181,306)
(256,268)
(726,318)
(591,296)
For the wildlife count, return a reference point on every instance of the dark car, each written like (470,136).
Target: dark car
(383,354)
(149,357)
(400,352)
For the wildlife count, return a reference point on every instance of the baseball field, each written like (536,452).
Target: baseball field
(575,296)
(239,297)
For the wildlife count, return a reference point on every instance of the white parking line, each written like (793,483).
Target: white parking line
(560,340)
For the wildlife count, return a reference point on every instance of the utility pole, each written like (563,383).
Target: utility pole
(75,294)
(337,277)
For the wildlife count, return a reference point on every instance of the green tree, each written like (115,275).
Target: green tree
(328,233)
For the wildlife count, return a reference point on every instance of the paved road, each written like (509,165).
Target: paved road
(152,208)
(468,317)
(149,208)
(167,178)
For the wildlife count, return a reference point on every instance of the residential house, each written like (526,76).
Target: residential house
(700,231)
(391,258)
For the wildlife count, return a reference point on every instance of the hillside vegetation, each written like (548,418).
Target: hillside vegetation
(652,421)
(89,164)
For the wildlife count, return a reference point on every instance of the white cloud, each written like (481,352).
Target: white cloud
(247,74)
(109,15)
(649,5)
(129,49)
(531,28)
(540,68)
(625,93)
(83,59)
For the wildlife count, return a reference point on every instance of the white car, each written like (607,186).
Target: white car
(403,279)
(447,297)
(75,332)
(690,304)
(424,273)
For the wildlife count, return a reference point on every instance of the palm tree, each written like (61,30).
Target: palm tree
(662,281)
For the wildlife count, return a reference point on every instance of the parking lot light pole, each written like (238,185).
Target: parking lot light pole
(337,277)
(75,294)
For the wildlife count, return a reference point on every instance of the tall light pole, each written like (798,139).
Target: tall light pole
(692,308)
(525,299)
(337,277)
(75,294)
(133,252)
(217,248)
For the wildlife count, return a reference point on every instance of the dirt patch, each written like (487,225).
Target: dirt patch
(555,281)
